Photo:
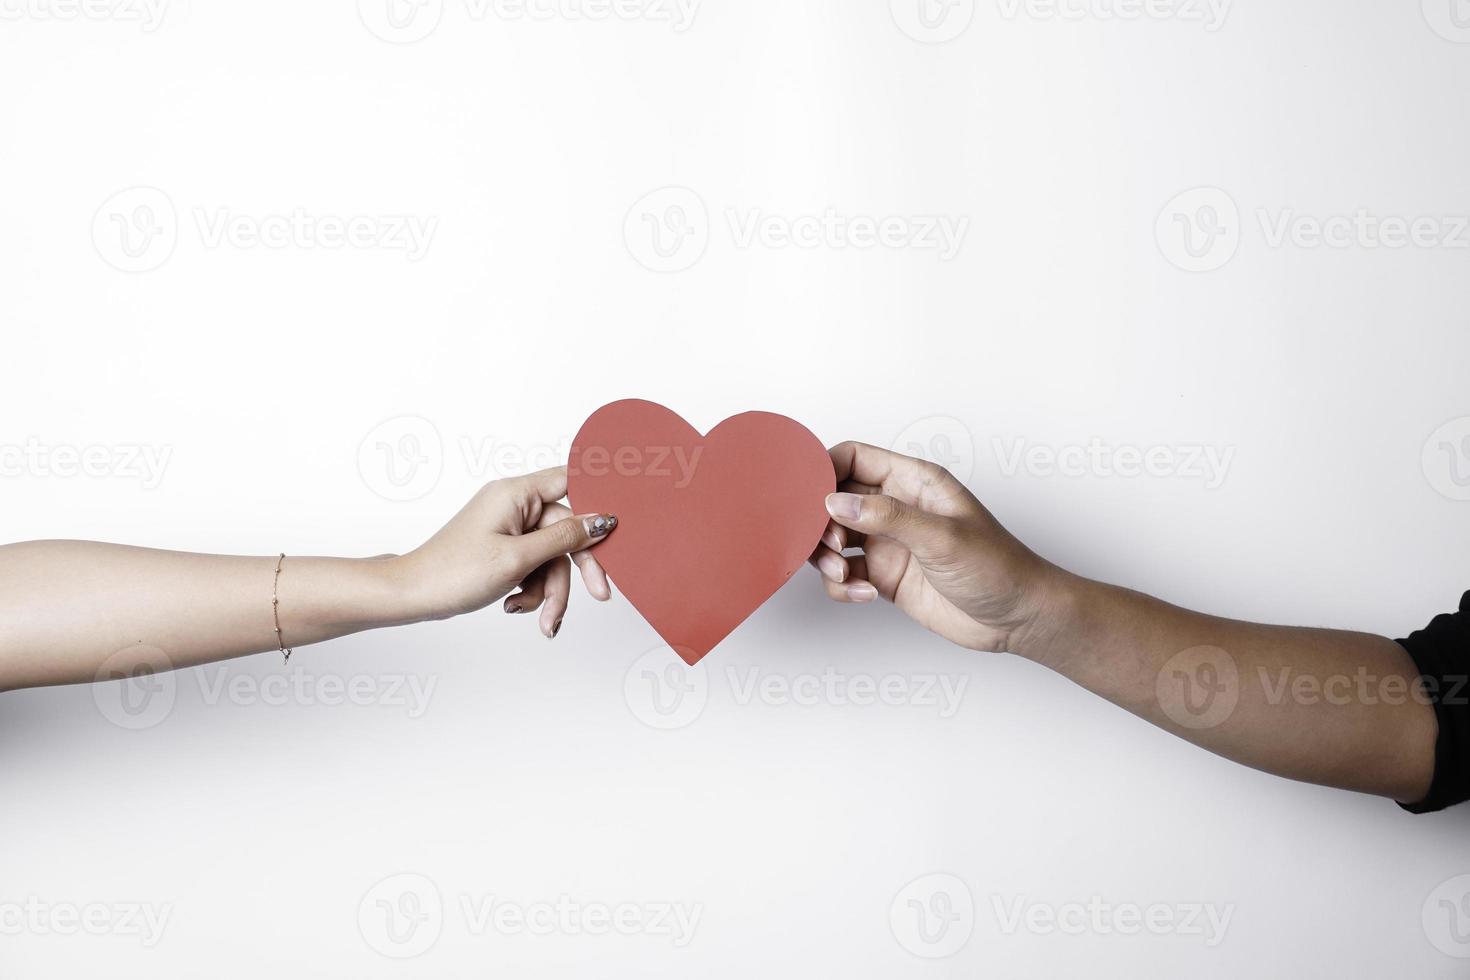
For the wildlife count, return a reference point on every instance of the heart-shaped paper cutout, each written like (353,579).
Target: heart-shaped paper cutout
(709,527)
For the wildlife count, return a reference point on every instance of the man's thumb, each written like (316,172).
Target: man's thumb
(565,537)
(921,532)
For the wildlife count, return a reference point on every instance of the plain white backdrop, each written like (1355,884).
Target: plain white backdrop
(1179,288)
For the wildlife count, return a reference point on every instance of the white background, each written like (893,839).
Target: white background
(298,392)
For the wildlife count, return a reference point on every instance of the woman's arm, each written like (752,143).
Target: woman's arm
(1326,706)
(69,609)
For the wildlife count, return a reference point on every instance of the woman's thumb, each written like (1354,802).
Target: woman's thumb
(564,537)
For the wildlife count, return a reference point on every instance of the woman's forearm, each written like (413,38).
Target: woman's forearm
(69,608)
(1325,706)
(78,611)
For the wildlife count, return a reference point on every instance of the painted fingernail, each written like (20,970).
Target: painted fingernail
(832,567)
(845,506)
(862,593)
(555,628)
(514,607)
(600,525)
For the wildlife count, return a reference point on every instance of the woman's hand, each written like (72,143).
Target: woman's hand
(930,548)
(513,532)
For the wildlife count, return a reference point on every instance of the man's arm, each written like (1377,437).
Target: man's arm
(1325,706)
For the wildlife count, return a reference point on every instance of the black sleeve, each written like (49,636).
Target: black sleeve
(1441,652)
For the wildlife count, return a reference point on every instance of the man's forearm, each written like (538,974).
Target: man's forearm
(69,609)
(1325,706)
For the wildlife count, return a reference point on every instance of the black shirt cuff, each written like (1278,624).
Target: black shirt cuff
(1441,653)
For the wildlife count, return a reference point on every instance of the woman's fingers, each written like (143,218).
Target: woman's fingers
(593,576)
(532,592)
(563,537)
(558,591)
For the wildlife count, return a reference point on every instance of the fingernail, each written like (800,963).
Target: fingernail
(600,525)
(555,628)
(862,593)
(514,607)
(845,506)
(830,540)
(832,567)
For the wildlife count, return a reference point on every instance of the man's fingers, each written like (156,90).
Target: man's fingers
(853,591)
(917,481)
(563,537)
(926,535)
(830,563)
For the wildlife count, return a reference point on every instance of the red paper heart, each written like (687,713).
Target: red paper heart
(709,527)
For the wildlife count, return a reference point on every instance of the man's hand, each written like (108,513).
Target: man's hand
(930,548)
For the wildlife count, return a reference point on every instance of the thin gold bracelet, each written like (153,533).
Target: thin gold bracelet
(276,610)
